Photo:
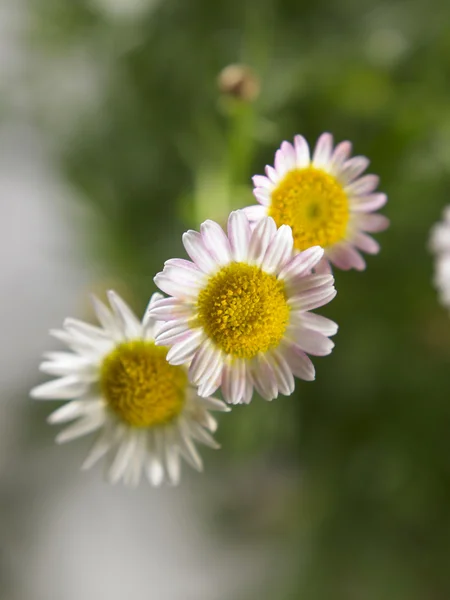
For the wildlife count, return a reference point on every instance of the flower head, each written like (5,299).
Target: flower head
(119,382)
(324,199)
(239,313)
(440,246)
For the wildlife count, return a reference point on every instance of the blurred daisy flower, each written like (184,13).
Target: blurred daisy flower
(119,382)
(324,199)
(239,313)
(440,246)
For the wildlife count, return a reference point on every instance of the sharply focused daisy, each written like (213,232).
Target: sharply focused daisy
(324,199)
(239,313)
(119,382)
(440,246)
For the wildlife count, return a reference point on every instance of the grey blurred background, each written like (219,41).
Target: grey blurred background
(118,131)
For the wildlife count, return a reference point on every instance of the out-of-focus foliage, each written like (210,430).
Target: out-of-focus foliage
(350,475)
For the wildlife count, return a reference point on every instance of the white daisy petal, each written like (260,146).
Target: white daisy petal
(107,319)
(372,223)
(363,186)
(262,182)
(439,245)
(72,410)
(309,341)
(313,299)
(131,326)
(366,243)
(301,264)
(323,150)
(202,435)
(346,257)
(233,382)
(167,308)
(262,235)
(299,363)
(213,404)
(283,373)
(204,363)
(264,378)
(301,152)
(83,426)
(183,351)
(319,323)
(262,195)
(272,174)
(279,251)
(149,322)
(123,457)
(239,233)
(255,212)
(195,247)
(64,388)
(100,448)
(216,242)
(173,287)
(188,450)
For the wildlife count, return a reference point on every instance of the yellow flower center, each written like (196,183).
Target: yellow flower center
(244,310)
(314,204)
(140,386)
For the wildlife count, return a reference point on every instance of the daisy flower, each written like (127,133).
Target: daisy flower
(239,313)
(324,199)
(119,382)
(440,246)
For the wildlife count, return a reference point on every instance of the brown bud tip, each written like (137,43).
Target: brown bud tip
(239,81)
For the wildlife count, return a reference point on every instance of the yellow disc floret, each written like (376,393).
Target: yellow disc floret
(140,386)
(244,310)
(314,204)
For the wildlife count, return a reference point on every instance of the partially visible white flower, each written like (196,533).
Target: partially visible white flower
(440,246)
(239,313)
(118,381)
(324,199)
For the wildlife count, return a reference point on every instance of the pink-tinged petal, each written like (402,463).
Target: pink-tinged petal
(262,195)
(262,235)
(279,251)
(248,386)
(264,378)
(281,166)
(194,246)
(212,383)
(372,223)
(323,267)
(233,381)
(239,233)
(216,242)
(174,335)
(323,150)
(339,156)
(185,272)
(262,182)
(352,169)
(319,323)
(149,322)
(312,299)
(302,263)
(310,341)
(300,285)
(363,186)
(204,362)
(289,155)
(301,152)
(255,212)
(184,351)
(366,243)
(173,287)
(282,372)
(299,363)
(272,174)
(365,204)
(345,257)
(168,309)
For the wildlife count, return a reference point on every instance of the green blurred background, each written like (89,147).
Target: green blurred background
(346,484)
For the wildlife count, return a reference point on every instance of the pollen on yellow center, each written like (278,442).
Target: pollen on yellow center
(140,386)
(244,310)
(314,204)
